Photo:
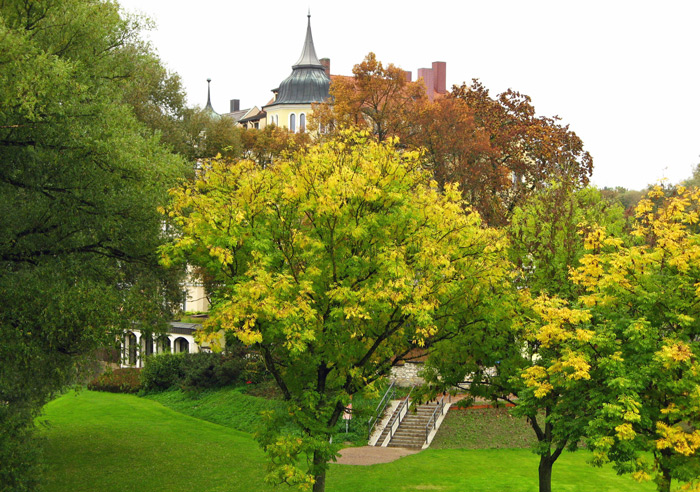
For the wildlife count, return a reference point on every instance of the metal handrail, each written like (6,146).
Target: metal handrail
(433,421)
(379,411)
(403,407)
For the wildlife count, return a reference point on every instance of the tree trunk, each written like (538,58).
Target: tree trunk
(663,479)
(545,473)
(663,482)
(320,483)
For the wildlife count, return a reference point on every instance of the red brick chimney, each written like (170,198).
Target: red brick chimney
(326,62)
(427,75)
(439,72)
(434,79)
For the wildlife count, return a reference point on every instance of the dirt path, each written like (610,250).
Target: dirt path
(372,455)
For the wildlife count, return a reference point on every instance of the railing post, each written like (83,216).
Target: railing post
(380,408)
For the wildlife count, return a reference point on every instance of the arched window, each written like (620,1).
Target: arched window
(277,120)
(293,123)
(164,344)
(302,123)
(131,349)
(147,343)
(181,345)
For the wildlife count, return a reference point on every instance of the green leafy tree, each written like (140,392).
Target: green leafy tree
(545,235)
(643,298)
(334,263)
(80,182)
(694,180)
(535,356)
(204,135)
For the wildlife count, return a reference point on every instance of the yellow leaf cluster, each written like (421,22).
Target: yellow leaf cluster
(557,320)
(675,438)
(575,366)
(641,476)
(674,353)
(537,377)
(625,432)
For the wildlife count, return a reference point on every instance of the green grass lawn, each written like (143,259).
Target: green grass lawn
(229,407)
(483,428)
(233,408)
(107,442)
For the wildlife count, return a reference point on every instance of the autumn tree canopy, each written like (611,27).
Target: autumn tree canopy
(497,149)
(377,98)
(642,295)
(525,152)
(334,263)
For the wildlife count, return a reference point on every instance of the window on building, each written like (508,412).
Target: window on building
(131,349)
(293,123)
(302,122)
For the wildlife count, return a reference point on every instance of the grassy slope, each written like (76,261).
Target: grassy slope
(229,407)
(232,408)
(106,442)
(483,428)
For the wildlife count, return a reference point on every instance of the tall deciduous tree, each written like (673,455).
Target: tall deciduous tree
(546,235)
(334,263)
(80,182)
(525,152)
(535,355)
(643,296)
(376,98)
(497,149)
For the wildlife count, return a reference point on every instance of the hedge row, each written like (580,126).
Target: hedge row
(200,371)
(184,371)
(117,381)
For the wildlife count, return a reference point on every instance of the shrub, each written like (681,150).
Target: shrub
(200,371)
(162,371)
(214,370)
(117,381)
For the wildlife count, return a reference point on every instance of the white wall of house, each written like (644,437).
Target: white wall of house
(195,295)
(135,346)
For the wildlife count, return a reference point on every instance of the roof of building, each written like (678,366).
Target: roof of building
(255,117)
(238,115)
(209,109)
(308,82)
(178,328)
(308,56)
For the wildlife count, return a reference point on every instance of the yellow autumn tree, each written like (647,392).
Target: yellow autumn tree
(644,299)
(334,263)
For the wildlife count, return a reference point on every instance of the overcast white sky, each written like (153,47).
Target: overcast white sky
(625,75)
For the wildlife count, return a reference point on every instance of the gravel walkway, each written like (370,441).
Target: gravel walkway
(372,455)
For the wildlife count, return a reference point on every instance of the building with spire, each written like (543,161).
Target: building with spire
(209,109)
(308,83)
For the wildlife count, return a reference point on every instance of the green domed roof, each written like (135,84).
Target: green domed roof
(308,82)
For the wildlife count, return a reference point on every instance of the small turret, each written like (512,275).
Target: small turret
(209,109)
(308,82)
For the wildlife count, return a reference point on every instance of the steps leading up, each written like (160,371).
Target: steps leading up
(411,432)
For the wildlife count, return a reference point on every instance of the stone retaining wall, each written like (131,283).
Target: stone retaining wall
(407,374)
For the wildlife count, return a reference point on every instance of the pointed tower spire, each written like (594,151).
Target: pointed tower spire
(209,108)
(308,56)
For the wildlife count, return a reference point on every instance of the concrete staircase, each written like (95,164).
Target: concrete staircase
(411,430)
